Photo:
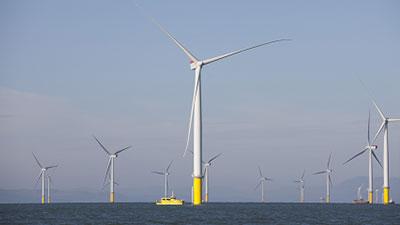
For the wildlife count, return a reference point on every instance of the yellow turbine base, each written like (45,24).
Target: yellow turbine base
(386,198)
(328,199)
(43,201)
(112,197)
(48,200)
(197,191)
(370,197)
(206,197)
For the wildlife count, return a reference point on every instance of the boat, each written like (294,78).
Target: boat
(360,201)
(170,201)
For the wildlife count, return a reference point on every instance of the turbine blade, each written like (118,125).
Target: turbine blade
(49,167)
(373,153)
(329,160)
(394,120)
(169,165)
(358,154)
(107,171)
(37,161)
(379,131)
(258,185)
(155,22)
(102,146)
(379,110)
(194,98)
(330,180)
(38,179)
(213,158)
(211,60)
(259,172)
(320,172)
(159,173)
(302,176)
(117,152)
(369,121)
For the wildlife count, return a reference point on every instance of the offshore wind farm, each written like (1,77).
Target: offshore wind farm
(284,98)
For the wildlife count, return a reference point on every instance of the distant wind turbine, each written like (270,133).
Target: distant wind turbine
(328,172)
(42,175)
(301,182)
(370,148)
(165,173)
(196,112)
(261,180)
(49,182)
(206,177)
(110,166)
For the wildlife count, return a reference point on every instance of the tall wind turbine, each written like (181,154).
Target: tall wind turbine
(359,195)
(301,182)
(328,172)
(370,148)
(206,177)
(385,127)
(110,167)
(196,112)
(261,180)
(42,175)
(165,173)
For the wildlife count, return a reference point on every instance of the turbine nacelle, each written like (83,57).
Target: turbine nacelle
(194,65)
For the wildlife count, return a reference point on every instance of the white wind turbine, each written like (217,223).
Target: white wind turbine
(196,112)
(385,127)
(165,173)
(370,148)
(206,177)
(301,182)
(49,182)
(110,167)
(359,195)
(42,175)
(261,181)
(328,172)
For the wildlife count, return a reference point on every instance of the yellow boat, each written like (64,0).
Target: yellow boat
(170,201)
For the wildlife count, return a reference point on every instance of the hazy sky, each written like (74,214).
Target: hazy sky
(71,69)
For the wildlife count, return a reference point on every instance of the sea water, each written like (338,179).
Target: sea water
(212,213)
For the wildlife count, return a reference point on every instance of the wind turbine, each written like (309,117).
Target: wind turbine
(206,168)
(196,112)
(385,127)
(165,173)
(370,148)
(301,182)
(261,181)
(110,166)
(359,195)
(42,175)
(49,182)
(328,172)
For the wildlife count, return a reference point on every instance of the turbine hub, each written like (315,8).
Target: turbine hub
(373,147)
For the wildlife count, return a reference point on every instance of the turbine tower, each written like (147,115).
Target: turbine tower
(301,182)
(328,172)
(165,173)
(385,127)
(206,177)
(110,167)
(370,148)
(196,112)
(42,175)
(261,180)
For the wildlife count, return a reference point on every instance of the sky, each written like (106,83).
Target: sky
(73,69)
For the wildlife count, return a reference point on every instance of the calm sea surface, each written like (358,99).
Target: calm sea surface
(215,213)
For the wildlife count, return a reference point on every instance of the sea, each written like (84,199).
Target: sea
(211,213)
